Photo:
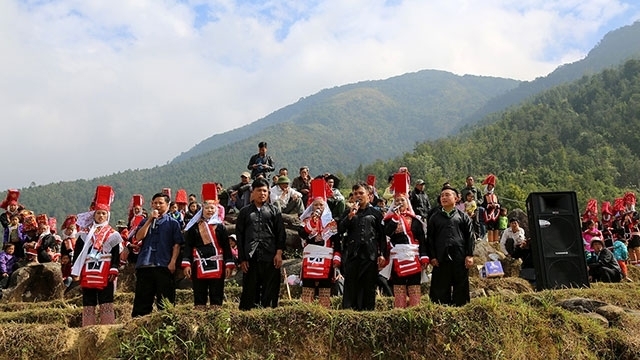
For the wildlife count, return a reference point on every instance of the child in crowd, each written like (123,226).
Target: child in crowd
(66,266)
(470,204)
(503,220)
(592,230)
(14,223)
(233,243)
(621,254)
(234,248)
(381,205)
(7,264)
(175,213)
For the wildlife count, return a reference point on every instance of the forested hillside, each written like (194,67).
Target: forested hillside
(613,50)
(582,136)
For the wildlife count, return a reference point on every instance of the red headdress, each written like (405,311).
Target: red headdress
(606,208)
(11,199)
(591,211)
(489,180)
(181,197)
(68,222)
(29,223)
(400,185)
(630,199)
(371,180)
(167,191)
(42,219)
(53,225)
(209,192)
(318,188)
(103,198)
(618,206)
(136,200)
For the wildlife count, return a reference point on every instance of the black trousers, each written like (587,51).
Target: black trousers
(360,277)
(213,289)
(260,285)
(152,283)
(450,283)
(93,297)
(604,274)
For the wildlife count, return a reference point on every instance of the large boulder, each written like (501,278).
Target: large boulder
(291,225)
(35,282)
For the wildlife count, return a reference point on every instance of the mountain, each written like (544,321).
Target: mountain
(417,106)
(616,47)
(335,130)
(580,137)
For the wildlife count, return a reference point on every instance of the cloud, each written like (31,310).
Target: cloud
(94,87)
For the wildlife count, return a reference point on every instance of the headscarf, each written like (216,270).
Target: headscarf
(326,216)
(89,241)
(215,219)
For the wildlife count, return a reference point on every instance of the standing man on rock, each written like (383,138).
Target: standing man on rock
(261,164)
(261,241)
(364,250)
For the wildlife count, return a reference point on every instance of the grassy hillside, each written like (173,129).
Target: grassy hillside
(511,323)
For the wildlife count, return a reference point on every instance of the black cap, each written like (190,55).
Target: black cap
(513,219)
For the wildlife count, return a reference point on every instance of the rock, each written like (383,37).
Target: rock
(611,312)
(482,251)
(477,293)
(581,305)
(291,224)
(36,282)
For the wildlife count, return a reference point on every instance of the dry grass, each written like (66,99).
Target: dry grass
(512,323)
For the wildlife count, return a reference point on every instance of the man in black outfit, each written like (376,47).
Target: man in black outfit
(364,250)
(261,239)
(420,200)
(450,244)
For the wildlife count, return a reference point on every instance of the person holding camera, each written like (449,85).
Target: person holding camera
(261,164)
(321,253)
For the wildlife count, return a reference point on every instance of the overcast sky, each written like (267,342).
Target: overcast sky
(89,88)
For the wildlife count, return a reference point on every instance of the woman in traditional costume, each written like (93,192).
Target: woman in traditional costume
(207,257)
(321,253)
(407,238)
(492,208)
(96,260)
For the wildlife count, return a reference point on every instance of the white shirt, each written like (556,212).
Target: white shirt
(276,194)
(517,237)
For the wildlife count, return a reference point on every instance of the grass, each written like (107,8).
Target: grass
(512,323)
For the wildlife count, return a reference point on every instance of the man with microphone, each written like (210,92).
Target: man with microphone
(364,251)
(159,237)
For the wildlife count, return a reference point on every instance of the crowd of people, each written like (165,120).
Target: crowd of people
(363,240)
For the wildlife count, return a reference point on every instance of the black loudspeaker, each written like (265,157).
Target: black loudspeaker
(556,240)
